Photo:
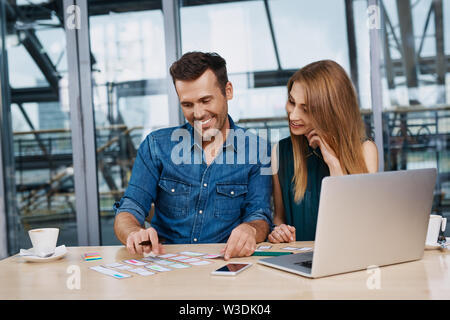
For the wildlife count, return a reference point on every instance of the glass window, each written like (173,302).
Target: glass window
(129,93)
(37,68)
(238,31)
(308,31)
(416,90)
(264,43)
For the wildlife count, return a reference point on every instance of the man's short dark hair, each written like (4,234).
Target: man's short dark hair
(193,64)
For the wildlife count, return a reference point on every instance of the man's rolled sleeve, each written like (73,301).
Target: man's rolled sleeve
(128,205)
(260,215)
(142,188)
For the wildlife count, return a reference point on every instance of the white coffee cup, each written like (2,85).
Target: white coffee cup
(44,240)
(434,226)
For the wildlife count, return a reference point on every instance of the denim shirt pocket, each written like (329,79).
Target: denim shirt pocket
(229,200)
(173,197)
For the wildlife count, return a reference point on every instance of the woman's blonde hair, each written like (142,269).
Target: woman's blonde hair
(334,112)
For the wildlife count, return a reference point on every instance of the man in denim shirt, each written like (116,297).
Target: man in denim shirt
(210,180)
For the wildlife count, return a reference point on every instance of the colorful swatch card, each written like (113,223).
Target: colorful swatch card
(91,256)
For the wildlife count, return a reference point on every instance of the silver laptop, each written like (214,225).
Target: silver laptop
(366,220)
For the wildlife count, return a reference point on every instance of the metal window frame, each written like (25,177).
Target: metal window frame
(3,223)
(172,35)
(351,44)
(8,209)
(83,127)
(375,86)
(3,103)
(82,115)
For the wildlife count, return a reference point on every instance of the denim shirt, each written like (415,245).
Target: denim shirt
(194,202)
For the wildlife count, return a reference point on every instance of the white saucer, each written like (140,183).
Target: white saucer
(429,246)
(59,253)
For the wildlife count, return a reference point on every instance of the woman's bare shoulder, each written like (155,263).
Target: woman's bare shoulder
(370,153)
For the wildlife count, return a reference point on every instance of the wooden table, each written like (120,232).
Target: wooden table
(428,278)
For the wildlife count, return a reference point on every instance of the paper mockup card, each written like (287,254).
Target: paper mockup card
(192,254)
(113,265)
(212,256)
(191,260)
(109,272)
(123,267)
(142,272)
(158,268)
(167,255)
(179,258)
(261,248)
(200,263)
(164,262)
(135,262)
(297,249)
(152,259)
(179,266)
(290,248)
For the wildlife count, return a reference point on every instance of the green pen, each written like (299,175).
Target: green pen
(270,253)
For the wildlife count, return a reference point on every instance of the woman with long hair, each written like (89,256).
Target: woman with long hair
(327,137)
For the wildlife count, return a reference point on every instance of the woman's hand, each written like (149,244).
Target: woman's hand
(329,156)
(282,233)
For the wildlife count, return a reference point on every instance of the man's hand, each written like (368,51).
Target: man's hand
(241,243)
(136,237)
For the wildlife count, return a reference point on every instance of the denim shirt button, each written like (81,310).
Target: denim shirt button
(201,211)
(205,184)
(195,239)
(173,190)
(232,192)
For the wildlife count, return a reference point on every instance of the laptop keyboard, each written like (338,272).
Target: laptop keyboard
(306,260)
(298,262)
(307,264)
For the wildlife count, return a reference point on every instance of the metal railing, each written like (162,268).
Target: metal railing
(413,137)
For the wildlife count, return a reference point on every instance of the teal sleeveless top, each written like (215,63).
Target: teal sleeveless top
(301,215)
